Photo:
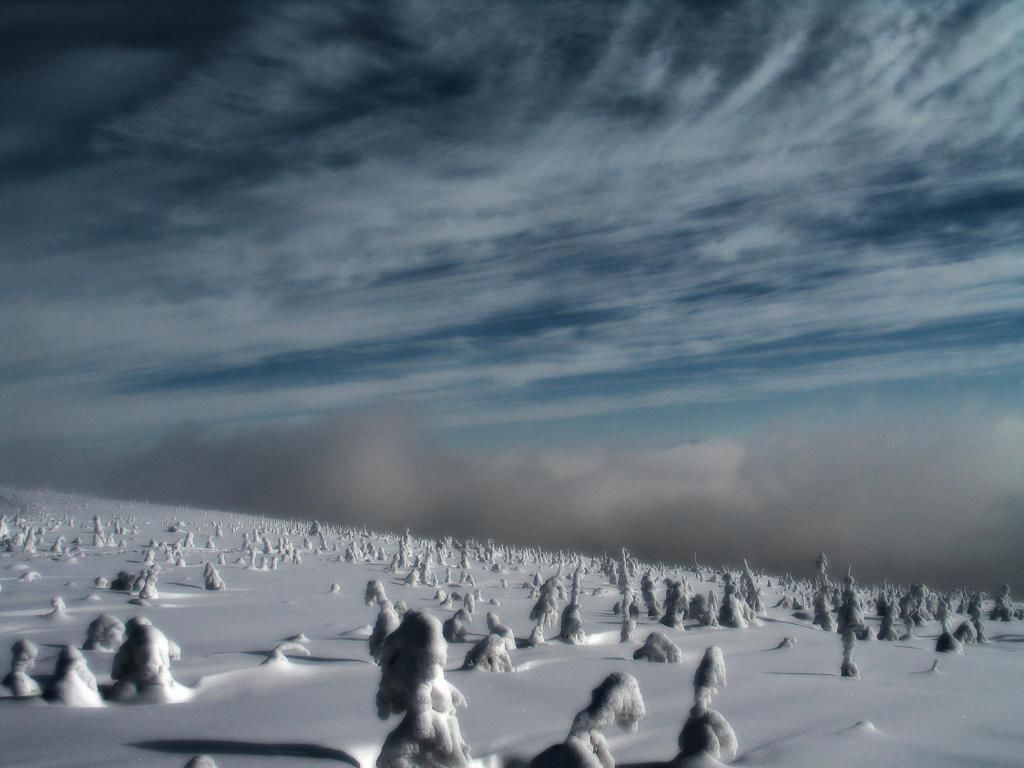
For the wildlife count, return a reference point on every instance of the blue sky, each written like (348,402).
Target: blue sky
(531,224)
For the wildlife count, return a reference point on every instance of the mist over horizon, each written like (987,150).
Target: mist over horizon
(942,503)
(739,278)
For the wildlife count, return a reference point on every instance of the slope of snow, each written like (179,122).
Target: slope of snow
(789,707)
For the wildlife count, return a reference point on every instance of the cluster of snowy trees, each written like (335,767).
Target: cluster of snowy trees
(411,646)
(839,607)
(141,666)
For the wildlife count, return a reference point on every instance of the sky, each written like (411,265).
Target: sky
(756,266)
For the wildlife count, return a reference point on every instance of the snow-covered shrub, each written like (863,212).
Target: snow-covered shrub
(105,633)
(412,682)
(732,613)
(495,627)
(387,622)
(57,608)
(616,699)
(489,654)
(659,648)
(123,582)
(72,683)
(572,624)
(888,629)
(211,579)
(947,642)
(279,655)
(23,659)
(706,731)
(374,593)
(966,633)
(536,636)
(142,665)
(454,628)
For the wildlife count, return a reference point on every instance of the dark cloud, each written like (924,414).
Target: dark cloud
(67,68)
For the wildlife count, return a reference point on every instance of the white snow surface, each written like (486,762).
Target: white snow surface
(789,707)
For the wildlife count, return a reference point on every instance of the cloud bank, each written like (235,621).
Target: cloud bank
(942,503)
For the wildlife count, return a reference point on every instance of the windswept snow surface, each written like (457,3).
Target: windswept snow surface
(788,706)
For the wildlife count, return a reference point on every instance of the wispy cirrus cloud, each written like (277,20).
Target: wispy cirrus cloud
(512,214)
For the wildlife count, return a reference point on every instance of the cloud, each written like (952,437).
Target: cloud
(546,217)
(922,499)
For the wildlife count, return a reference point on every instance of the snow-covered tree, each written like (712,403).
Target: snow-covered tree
(105,633)
(823,611)
(706,731)
(675,605)
(536,636)
(495,627)
(617,699)
(412,684)
(888,629)
(849,666)
(72,683)
(850,615)
(142,665)
(545,610)
(23,659)
(946,641)
(649,596)
(966,633)
(732,613)
(374,592)
(148,590)
(572,623)
(454,628)
(212,579)
(1002,608)
(626,628)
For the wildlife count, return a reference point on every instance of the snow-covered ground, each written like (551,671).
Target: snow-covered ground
(789,707)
